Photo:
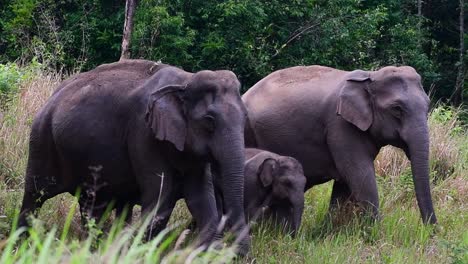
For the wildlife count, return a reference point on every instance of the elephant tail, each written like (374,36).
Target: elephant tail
(249,135)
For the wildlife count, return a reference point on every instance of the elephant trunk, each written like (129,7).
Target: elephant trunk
(231,167)
(297,217)
(418,153)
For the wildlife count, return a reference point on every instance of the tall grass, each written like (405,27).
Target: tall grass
(399,237)
(121,244)
(16,121)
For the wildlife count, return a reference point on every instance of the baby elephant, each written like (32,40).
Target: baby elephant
(273,189)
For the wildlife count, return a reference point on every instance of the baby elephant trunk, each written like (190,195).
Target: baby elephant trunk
(290,217)
(297,216)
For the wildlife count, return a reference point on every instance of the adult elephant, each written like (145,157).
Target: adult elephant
(335,122)
(140,132)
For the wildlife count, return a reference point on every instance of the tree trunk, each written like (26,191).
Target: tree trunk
(419,8)
(457,96)
(128,28)
(420,18)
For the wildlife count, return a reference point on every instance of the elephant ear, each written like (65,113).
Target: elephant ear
(266,171)
(354,103)
(165,115)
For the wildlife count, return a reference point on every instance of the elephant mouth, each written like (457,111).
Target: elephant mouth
(401,145)
(404,147)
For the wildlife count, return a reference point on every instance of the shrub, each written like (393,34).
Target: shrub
(10,77)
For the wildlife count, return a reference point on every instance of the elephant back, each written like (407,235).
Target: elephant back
(133,71)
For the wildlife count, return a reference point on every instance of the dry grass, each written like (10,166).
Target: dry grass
(391,162)
(448,137)
(15,124)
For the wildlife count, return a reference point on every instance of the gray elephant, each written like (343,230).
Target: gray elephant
(335,122)
(147,131)
(273,189)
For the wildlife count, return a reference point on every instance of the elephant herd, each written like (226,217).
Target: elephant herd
(140,132)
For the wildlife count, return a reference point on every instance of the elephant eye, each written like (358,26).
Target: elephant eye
(287,183)
(209,122)
(397,111)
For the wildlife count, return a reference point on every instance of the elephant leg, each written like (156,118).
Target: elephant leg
(340,195)
(158,203)
(364,193)
(199,196)
(219,207)
(35,194)
(30,205)
(161,218)
(42,179)
(32,201)
(361,190)
(357,172)
(218,197)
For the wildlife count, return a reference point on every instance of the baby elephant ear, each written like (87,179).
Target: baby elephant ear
(165,115)
(266,171)
(354,103)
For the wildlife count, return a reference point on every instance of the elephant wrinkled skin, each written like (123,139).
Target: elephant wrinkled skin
(126,130)
(335,122)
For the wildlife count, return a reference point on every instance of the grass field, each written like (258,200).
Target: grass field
(399,237)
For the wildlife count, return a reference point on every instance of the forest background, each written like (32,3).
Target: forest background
(250,37)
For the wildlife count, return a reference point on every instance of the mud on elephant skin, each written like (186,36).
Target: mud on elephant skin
(137,121)
(335,122)
(273,189)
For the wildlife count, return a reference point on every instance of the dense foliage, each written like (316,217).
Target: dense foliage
(250,37)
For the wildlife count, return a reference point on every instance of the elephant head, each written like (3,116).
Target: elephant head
(276,189)
(205,116)
(390,104)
